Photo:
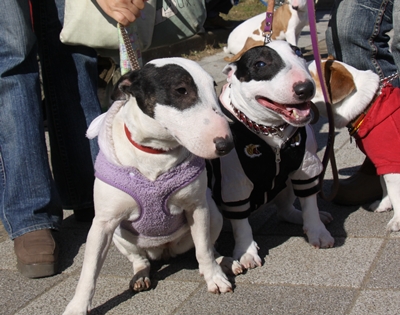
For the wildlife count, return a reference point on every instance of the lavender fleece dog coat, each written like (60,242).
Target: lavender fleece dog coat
(155,219)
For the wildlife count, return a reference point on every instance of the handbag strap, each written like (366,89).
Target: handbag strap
(127,42)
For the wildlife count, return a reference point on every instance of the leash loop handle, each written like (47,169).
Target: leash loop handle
(127,51)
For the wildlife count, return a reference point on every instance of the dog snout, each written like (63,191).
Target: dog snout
(304,90)
(223,145)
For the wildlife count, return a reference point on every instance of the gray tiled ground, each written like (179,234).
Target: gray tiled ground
(360,275)
(271,300)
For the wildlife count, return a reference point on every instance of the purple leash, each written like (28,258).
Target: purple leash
(314,42)
(268,22)
(329,153)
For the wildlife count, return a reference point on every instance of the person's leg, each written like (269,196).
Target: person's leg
(70,88)
(29,205)
(395,48)
(357,35)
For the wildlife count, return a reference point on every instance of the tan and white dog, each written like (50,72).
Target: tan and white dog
(267,101)
(150,193)
(370,110)
(288,21)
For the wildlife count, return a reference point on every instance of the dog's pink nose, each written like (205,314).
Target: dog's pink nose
(223,145)
(304,90)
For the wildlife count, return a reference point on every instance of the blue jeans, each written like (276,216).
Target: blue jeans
(29,197)
(357,35)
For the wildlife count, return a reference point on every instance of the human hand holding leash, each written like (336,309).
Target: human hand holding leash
(123,11)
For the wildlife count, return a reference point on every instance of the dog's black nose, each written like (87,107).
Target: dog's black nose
(304,90)
(223,145)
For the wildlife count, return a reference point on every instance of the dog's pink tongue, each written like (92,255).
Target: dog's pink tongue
(300,111)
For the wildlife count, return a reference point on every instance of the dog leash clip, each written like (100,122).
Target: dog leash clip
(268,22)
(267,38)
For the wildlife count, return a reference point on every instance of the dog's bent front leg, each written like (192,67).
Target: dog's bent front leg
(317,234)
(137,256)
(246,249)
(199,221)
(97,244)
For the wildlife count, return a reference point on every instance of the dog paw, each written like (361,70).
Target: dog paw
(250,261)
(383,205)
(76,308)
(140,284)
(248,255)
(325,217)
(219,283)
(319,237)
(394,225)
(76,313)
(229,265)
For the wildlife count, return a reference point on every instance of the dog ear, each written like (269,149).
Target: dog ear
(118,91)
(341,82)
(250,43)
(123,87)
(229,70)
(235,57)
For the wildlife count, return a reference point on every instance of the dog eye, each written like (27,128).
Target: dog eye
(297,51)
(182,91)
(260,64)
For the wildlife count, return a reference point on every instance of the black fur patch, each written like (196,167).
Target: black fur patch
(169,85)
(259,63)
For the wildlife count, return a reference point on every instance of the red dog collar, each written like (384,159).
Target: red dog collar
(142,147)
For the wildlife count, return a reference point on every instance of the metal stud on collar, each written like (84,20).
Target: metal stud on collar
(259,128)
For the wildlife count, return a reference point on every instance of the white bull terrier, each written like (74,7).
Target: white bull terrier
(370,109)
(288,21)
(150,191)
(267,100)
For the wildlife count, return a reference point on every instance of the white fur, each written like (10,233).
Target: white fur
(279,89)
(366,83)
(174,130)
(251,28)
